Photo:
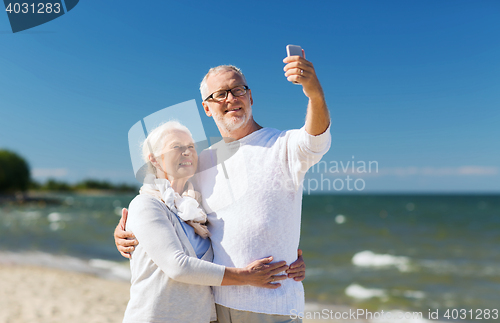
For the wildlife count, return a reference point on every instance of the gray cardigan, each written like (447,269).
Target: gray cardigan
(169,283)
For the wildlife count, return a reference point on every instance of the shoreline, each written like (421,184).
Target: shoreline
(44,198)
(35,293)
(45,288)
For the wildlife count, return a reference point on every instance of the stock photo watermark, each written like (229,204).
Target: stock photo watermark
(325,176)
(24,15)
(364,314)
(357,314)
(339,175)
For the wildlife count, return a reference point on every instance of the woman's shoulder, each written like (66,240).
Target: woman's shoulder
(146,202)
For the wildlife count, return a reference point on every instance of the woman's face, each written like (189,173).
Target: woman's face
(179,159)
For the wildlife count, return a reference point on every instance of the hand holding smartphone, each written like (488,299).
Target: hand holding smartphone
(294,50)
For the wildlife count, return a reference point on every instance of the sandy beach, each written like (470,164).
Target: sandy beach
(42,288)
(47,295)
(37,294)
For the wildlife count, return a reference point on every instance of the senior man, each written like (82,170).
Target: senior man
(253,200)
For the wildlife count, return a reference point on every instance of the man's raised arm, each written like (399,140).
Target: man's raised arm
(301,71)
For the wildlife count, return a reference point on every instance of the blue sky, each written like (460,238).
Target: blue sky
(414,86)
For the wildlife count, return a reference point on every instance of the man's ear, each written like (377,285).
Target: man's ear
(251,99)
(207,109)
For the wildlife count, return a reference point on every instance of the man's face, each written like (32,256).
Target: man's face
(233,112)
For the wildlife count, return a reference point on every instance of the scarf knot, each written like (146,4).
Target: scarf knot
(186,206)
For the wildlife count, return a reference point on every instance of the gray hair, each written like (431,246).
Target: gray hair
(216,70)
(155,142)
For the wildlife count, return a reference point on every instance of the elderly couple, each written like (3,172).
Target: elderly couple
(215,245)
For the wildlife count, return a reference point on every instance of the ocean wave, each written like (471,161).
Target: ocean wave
(112,267)
(442,267)
(360,292)
(368,258)
(102,268)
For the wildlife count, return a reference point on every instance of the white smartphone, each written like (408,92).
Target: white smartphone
(293,50)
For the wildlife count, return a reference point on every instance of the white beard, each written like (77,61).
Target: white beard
(233,123)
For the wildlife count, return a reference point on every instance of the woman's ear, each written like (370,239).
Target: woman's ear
(152,159)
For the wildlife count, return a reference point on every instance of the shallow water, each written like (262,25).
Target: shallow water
(374,252)
(407,252)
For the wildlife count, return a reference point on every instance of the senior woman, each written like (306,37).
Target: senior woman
(171,267)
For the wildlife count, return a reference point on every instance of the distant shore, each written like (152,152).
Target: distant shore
(32,191)
(48,197)
(28,198)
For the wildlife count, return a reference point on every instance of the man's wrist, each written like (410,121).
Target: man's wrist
(316,97)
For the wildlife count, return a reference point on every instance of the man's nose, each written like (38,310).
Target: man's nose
(229,93)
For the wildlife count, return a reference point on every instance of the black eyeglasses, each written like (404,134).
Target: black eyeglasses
(222,94)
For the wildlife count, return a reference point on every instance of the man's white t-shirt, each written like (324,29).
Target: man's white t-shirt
(253,200)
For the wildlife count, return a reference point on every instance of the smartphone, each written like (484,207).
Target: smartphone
(293,50)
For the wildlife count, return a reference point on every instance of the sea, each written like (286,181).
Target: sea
(438,255)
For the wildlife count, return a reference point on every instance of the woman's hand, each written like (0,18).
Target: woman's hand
(260,273)
(124,240)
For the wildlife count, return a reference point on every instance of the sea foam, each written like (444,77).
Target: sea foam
(360,292)
(368,258)
(102,268)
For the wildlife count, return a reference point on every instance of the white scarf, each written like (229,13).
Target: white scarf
(187,206)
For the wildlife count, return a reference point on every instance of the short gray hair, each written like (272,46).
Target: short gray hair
(155,142)
(216,70)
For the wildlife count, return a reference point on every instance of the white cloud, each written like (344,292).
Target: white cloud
(477,170)
(110,173)
(440,171)
(49,172)
(407,171)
